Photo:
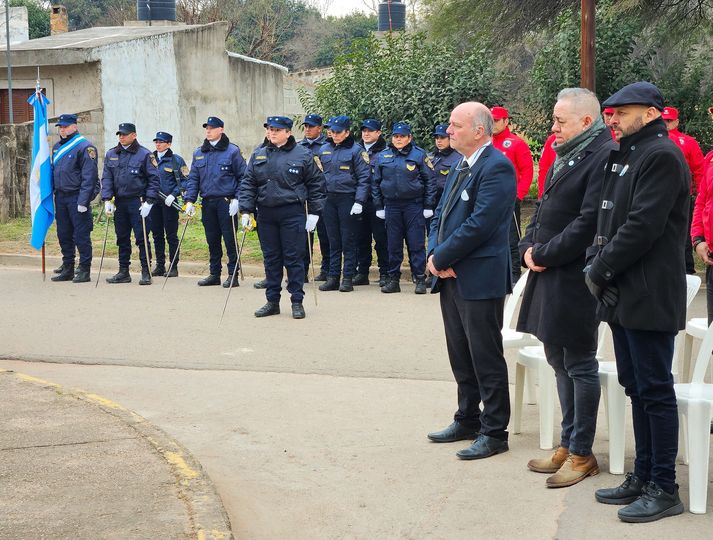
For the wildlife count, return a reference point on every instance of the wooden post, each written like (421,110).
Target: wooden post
(587,55)
(44,274)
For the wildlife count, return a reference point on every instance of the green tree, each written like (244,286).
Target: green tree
(38,17)
(340,33)
(405,77)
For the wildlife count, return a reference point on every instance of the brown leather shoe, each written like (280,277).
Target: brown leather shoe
(574,469)
(551,464)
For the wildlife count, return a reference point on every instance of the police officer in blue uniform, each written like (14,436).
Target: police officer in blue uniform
(172,173)
(75,180)
(371,228)
(129,191)
(404,191)
(216,173)
(281,177)
(348,172)
(444,158)
(313,141)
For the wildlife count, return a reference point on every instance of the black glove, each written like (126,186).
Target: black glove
(595,289)
(610,296)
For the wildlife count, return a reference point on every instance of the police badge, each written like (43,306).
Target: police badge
(92,152)
(365,156)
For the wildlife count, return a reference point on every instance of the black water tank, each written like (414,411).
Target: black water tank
(156,10)
(392,16)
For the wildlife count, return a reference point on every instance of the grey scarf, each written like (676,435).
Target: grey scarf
(574,146)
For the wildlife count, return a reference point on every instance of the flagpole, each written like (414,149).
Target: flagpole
(9,63)
(44,274)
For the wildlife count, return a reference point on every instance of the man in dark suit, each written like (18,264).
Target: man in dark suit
(469,256)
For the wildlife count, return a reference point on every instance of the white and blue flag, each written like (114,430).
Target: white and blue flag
(41,201)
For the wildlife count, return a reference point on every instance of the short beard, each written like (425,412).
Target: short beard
(633,128)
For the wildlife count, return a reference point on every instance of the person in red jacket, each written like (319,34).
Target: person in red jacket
(694,157)
(607,113)
(517,151)
(547,158)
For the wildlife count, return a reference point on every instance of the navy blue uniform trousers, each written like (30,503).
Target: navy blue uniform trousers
(74,229)
(283,241)
(323,247)
(164,228)
(218,224)
(126,219)
(404,219)
(341,228)
(643,363)
(370,227)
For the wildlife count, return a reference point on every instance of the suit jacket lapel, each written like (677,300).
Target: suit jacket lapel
(466,182)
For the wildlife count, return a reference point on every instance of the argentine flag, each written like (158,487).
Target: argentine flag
(41,201)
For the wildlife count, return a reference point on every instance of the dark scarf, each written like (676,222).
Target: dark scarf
(574,146)
(219,147)
(289,145)
(132,148)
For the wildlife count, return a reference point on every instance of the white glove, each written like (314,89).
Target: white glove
(109,208)
(145,210)
(246,222)
(234,206)
(427,213)
(81,209)
(381,214)
(190,209)
(169,200)
(311,222)
(356,209)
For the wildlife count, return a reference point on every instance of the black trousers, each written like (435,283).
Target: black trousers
(514,241)
(126,219)
(218,224)
(475,350)
(323,247)
(164,228)
(74,229)
(371,228)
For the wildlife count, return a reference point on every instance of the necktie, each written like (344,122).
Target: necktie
(462,175)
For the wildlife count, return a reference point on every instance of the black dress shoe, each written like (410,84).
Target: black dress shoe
(236,282)
(483,447)
(332,284)
(262,284)
(271,308)
(626,493)
(159,270)
(653,504)
(210,280)
(322,276)
(298,311)
(455,432)
(360,279)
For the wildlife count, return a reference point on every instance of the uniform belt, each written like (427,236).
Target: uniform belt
(61,192)
(217,197)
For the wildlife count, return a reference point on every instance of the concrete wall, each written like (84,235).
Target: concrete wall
(15,159)
(19,25)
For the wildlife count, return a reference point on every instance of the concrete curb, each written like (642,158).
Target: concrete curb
(208,518)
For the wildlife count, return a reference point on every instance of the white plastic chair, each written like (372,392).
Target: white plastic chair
(695,410)
(511,337)
(614,398)
(695,329)
(530,359)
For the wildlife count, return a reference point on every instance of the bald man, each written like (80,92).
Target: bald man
(469,257)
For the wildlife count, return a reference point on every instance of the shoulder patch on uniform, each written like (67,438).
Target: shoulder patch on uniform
(428,162)
(318,162)
(153,160)
(184,170)
(92,152)
(365,156)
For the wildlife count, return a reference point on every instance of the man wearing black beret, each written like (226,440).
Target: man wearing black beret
(637,274)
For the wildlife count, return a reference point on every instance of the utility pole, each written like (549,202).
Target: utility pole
(9,63)
(587,54)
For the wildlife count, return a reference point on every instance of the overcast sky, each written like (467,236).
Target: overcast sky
(344,7)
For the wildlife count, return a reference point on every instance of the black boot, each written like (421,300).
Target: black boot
(653,504)
(82,275)
(383,279)
(626,493)
(347,285)
(332,284)
(173,272)
(122,276)
(66,274)
(262,284)
(59,269)
(392,286)
(236,282)
(298,311)
(145,276)
(159,270)
(322,276)
(360,279)
(210,280)
(420,285)
(271,308)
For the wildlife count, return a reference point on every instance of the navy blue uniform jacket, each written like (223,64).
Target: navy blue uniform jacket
(470,231)
(76,171)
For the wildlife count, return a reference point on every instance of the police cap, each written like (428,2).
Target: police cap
(312,120)
(65,120)
(440,130)
(214,122)
(162,136)
(280,122)
(126,128)
(371,124)
(401,128)
(638,93)
(670,113)
(339,123)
